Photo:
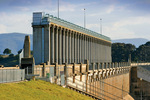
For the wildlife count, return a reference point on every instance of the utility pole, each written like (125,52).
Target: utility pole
(100,25)
(84,18)
(58,8)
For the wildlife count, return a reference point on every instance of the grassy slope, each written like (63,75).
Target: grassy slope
(38,90)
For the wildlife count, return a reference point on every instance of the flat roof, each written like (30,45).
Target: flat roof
(46,19)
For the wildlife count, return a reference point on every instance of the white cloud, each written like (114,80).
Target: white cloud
(22,8)
(110,9)
(92,25)
(15,22)
(2,28)
(67,7)
(133,21)
(131,27)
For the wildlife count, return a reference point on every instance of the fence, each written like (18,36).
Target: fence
(11,75)
(98,92)
(50,74)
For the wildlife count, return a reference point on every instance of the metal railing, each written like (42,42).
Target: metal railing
(90,89)
(93,90)
(11,75)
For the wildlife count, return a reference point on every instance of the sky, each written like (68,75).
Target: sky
(120,18)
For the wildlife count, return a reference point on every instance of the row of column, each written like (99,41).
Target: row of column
(105,65)
(63,45)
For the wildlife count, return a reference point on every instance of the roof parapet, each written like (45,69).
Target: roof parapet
(40,18)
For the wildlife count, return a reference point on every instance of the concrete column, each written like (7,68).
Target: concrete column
(109,64)
(63,46)
(73,71)
(82,46)
(80,49)
(60,45)
(87,65)
(52,44)
(116,64)
(72,47)
(37,30)
(46,43)
(27,52)
(92,50)
(56,44)
(65,72)
(78,46)
(43,70)
(81,72)
(85,50)
(49,44)
(101,51)
(89,50)
(98,51)
(66,43)
(75,47)
(69,47)
(56,72)
(42,46)
(98,66)
(106,65)
(102,65)
(112,65)
(93,65)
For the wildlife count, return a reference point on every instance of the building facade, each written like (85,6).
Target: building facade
(58,41)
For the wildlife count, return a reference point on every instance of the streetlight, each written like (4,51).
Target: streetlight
(100,25)
(58,8)
(141,87)
(84,18)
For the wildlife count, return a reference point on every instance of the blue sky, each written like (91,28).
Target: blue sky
(120,18)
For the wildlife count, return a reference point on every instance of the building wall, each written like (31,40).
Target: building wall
(37,44)
(139,88)
(114,87)
(58,44)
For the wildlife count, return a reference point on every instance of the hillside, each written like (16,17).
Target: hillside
(9,61)
(38,90)
(13,41)
(135,41)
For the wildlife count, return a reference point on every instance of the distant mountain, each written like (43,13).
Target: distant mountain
(135,41)
(13,41)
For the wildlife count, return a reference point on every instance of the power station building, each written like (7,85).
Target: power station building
(58,41)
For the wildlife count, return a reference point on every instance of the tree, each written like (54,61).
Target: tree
(32,52)
(11,55)
(121,51)
(7,51)
(142,53)
(19,51)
